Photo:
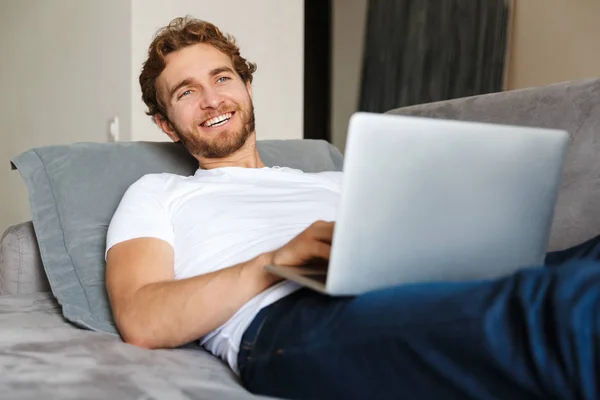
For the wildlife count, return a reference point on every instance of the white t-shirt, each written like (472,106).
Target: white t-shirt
(224,216)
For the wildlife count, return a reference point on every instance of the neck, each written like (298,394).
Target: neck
(246,157)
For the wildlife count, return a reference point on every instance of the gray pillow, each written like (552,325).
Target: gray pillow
(74,191)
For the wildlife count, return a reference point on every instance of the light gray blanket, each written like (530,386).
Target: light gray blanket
(43,356)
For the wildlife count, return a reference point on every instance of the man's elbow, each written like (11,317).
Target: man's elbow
(140,336)
(140,341)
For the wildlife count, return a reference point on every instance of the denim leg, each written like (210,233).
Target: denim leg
(532,335)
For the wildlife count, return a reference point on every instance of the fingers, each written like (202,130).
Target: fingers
(302,249)
(321,223)
(322,231)
(321,250)
(314,243)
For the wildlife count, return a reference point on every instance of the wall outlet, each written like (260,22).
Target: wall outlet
(113,130)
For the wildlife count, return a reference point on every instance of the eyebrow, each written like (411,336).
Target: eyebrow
(188,81)
(220,70)
(185,82)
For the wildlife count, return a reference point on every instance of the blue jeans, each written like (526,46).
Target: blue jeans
(531,335)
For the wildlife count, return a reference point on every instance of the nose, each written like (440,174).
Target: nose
(210,99)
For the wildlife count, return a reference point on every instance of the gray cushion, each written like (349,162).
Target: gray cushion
(75,189)
(21,269)
(572,106)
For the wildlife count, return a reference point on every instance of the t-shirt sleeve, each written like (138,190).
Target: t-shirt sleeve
(140,214)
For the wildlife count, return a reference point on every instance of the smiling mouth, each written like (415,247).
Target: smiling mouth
(217,121)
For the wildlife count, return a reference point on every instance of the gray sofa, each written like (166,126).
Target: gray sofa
(41,354)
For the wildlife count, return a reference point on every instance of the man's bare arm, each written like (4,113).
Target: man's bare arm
(153,310)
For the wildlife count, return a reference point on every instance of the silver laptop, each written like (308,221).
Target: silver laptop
(436,200)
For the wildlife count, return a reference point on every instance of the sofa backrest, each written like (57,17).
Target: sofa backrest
(572,106)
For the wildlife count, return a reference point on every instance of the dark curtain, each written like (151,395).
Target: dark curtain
(419,51)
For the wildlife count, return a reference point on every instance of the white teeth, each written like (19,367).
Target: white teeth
(219,123)
(217,120)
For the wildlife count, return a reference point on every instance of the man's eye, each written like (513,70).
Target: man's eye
(185,93)
(223,79)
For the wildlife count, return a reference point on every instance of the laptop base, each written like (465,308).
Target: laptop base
(312,278)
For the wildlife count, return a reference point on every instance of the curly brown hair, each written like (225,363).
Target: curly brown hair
(180,33)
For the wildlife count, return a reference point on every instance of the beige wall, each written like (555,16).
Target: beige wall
(349,20)
(269,33)
(68,66)
(63,75)
(554,41)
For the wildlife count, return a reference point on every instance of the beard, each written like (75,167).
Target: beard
(222,144)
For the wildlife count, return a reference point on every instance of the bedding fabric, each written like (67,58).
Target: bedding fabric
(44,356)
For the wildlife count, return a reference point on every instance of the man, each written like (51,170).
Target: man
(185,258)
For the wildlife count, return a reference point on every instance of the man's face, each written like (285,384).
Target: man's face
(209,107)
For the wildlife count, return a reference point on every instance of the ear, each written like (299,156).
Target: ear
(166,127)
(249,88)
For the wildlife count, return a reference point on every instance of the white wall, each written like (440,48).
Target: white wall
(63,74)
(269,33)
(349,21)
(554,41)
